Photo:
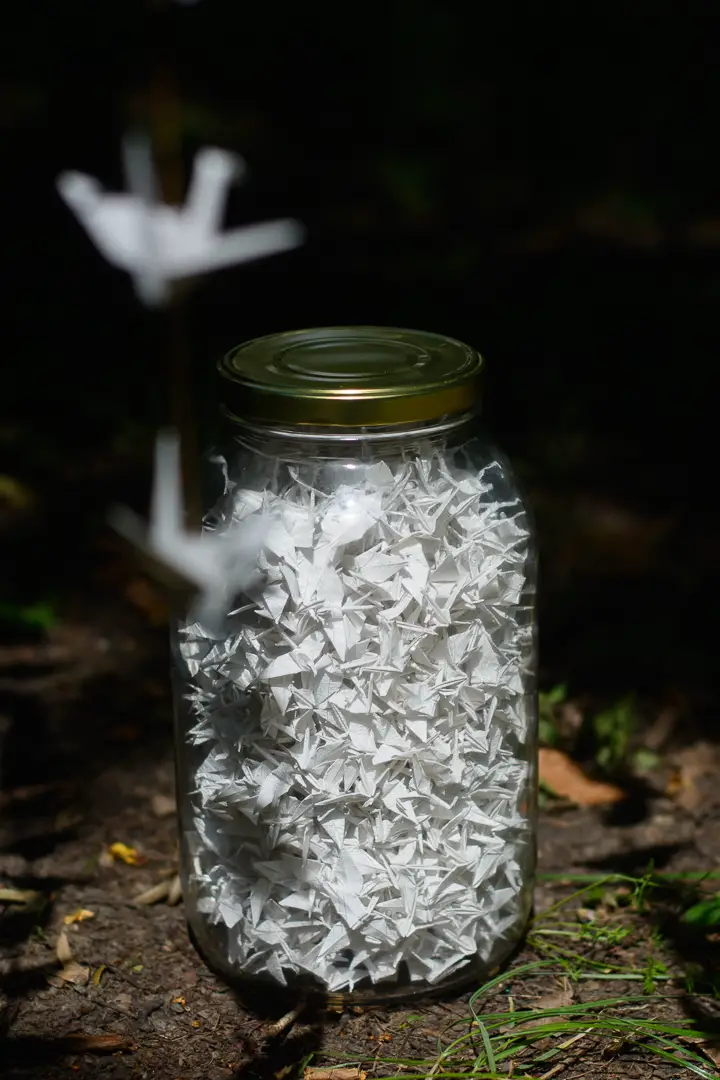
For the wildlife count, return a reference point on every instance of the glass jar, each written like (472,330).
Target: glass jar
(357,742)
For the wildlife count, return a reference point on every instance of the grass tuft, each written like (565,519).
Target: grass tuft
(594,933)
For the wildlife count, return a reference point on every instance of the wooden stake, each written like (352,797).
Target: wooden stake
(165,125)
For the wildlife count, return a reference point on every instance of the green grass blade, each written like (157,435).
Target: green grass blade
(567,1010)
(489,1055)
(511,973)
(683,1062)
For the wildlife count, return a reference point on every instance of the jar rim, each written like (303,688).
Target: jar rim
(350,377)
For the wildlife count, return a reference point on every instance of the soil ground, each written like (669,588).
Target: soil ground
(144,1005)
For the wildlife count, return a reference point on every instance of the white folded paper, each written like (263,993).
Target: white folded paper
(216,565)
(365,728)
(157,244)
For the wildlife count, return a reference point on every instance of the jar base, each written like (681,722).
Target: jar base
(263,996)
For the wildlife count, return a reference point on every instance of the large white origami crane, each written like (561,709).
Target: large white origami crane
(157,244)
(216,565)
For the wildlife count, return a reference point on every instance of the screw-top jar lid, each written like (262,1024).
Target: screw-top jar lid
(350,376)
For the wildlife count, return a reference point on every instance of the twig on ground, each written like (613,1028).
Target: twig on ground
(564,1046)
(285,1022)
(153,895)
(19,896)
(175,892)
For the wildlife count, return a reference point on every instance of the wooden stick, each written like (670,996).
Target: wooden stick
(165,124)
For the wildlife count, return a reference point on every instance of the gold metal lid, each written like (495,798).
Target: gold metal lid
(350,376)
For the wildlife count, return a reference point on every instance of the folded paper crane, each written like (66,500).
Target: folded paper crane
(157,244)
(217,566)
(363,732)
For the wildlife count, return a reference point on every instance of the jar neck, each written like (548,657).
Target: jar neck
(269,440)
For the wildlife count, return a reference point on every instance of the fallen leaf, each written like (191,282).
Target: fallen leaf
(694,765)
(710,1048)
(712,1051)
(98,974)
(163,805)
(565,778)
(555,999)
(683,790)
(124,1002)
(62,949)
(126,854)
(78,916)
(78,974)
(335,1074)
(94,1044)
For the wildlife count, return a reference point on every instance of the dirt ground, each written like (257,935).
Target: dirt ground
(87,761)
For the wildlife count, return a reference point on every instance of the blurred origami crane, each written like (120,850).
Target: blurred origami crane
(217,566)
(157,244)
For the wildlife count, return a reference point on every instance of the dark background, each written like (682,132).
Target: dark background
(544,187)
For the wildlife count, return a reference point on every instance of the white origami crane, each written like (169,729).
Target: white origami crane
(157,244)
(218,566)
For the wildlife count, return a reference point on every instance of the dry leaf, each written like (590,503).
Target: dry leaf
(334,1074)
(62,949)
(556,999)
(124,1002)
(78,974)
(695,763)
(95,1044)
(126,854)
(163,805)
(78,916)
(682,789)
(564,777)
(712,1051)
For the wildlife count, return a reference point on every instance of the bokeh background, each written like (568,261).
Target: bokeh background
(543,187)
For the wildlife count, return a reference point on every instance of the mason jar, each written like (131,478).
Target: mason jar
(357,736)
